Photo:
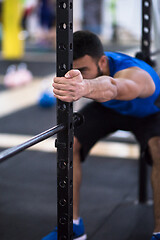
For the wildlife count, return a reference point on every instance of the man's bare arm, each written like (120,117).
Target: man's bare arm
(134,82)
(126,85)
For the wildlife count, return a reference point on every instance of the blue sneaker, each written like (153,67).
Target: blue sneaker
(156,236)
(78,232)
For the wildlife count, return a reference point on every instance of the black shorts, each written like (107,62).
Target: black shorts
(101,121)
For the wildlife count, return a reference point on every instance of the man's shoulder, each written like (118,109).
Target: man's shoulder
(120,61)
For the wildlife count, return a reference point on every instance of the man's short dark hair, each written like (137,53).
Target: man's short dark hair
(86,43)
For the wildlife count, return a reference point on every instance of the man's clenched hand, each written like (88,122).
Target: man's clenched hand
(69,88)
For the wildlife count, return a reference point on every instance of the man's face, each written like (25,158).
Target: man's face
(88,67)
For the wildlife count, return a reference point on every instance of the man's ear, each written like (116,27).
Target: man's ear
(102,63)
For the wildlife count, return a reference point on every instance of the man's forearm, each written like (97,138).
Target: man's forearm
(101,89)
(105,88)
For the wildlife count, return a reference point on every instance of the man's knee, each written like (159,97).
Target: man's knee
(154,148)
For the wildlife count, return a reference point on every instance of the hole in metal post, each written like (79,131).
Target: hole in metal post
(62,66)
(71,5)
(62,202)
(71,46)
(146,30)
(62,46)
(71,164)
(146,17)
(63,5)
(62,165)
(62,184)
(64,237)
(146,4)
(63,26)
(63,220)
(71,144)
(62,107)
(71,26)
(146,43)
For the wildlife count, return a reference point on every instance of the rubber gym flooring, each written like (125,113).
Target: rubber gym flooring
(109,190)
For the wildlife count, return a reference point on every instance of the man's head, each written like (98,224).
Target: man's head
(88,54)
(87,43)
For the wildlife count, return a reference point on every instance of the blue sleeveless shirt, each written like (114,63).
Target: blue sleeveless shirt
(138,107)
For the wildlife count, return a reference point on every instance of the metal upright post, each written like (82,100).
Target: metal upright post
(64,142)
(156,21)
(146,29)
(145,55)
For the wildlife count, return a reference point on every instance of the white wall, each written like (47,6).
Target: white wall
(77,14)
(128,17)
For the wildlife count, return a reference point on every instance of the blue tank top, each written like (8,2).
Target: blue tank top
(138,107)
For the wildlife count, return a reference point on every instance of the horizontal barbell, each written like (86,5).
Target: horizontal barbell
(4,155)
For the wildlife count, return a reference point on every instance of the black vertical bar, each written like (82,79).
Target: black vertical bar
(146,29)
(145,48)
(64,141)
(142,179)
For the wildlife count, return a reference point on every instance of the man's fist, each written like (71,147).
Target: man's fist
(69,88)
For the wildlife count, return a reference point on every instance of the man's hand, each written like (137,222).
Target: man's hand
(69,88)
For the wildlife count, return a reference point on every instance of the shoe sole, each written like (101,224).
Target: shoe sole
(83,237)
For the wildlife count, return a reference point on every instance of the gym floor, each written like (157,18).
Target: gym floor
(109,192)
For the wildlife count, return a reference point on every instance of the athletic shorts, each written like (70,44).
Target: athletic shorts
(101,121)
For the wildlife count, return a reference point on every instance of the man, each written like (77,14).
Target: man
(125,91)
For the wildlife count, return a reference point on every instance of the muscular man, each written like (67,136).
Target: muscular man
(125,91)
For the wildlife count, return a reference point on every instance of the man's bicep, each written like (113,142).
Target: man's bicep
(135,74)
(140,77)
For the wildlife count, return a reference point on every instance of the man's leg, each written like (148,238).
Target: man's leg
(77,176)
(154,146)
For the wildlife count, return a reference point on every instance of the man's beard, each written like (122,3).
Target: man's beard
(100,73)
